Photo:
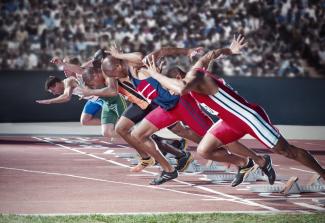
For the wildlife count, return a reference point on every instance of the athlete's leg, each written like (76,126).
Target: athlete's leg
(305,158)
(185,132)
(89,111)
(88,119)
(241,150)
(111,112)
(123,128)
(211,148)
(142,133)
(167,145)
(108,130)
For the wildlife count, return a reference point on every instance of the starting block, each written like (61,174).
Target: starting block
(126,155)
(210,166)
(320,202)
(252,176)
(292,187)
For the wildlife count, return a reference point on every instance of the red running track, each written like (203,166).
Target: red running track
(82,175)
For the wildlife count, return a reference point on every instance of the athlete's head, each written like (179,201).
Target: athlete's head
(113,67)
(93,77)
(72,60)
(54,85)
(176,72)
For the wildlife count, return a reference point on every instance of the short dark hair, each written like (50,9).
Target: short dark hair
(89,72)
(51,81)
(74,60)
(110,63)
(174,71)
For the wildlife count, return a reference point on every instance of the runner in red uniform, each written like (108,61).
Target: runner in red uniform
(238,117)
(172,109)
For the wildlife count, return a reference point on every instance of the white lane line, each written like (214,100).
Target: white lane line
(306,171)
(310,206)
(237,199)
(231,197)
(108,181)
(283,198)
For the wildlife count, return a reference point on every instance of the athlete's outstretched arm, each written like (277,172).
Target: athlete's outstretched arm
(65,97)
(134,57)
(172,51)
(109,90)
(67,66)
(193,80)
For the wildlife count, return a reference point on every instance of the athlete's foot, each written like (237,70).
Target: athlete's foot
(242,171)
(164,177)
(268,169)
(184,161)
(143,163)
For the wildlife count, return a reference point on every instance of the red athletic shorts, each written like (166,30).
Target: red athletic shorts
(187,111)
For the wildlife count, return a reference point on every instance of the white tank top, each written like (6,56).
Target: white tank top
(77,90)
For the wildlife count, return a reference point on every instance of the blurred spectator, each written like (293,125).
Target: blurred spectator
(285,36)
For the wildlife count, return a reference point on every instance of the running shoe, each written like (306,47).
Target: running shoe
(268,169)
(184,161)
(164,177)
(242,171)
(143,163)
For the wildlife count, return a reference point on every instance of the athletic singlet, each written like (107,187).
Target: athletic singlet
(226,101)
(127,90)
(153,91)
(77,90)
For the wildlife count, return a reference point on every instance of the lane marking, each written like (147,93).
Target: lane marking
(310,206)
(108,181)
(232,198)
(306,171)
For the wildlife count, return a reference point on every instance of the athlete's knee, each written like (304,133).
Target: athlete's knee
(108,132)
(203,151)
(84,120)
(121,129)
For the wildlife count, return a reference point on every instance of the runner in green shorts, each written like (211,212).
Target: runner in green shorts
(112,109)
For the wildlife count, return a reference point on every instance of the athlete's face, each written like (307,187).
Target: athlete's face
(96,82)
(119,71)
(57,89)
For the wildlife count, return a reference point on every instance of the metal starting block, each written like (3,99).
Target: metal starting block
(320,202)
(252,176)
(126,155)
(291,187)
(210,166)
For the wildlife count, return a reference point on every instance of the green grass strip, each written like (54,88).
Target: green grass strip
(169,218)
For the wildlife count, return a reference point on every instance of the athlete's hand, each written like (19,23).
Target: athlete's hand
(237,44)
(150,63)
(195,51)
(57,60)
(44,102)
(114,50)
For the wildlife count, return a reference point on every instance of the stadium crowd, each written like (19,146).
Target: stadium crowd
(284,36)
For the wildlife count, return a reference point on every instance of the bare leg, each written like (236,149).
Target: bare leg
(185,132)
(87,119)
(123,128)
(142,133)
(300,155)
(210,148)
(241,150)
(166,145)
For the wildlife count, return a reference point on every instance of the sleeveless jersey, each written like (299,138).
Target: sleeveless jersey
(153,91)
